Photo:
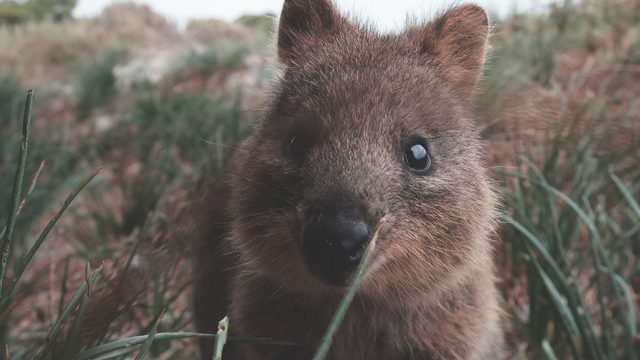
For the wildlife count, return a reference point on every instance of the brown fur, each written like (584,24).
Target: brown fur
(350,98)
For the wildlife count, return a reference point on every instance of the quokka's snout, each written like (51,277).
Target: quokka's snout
(334,238)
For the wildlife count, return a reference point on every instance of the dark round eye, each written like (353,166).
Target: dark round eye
(297,146)
(293,147)
(416,156)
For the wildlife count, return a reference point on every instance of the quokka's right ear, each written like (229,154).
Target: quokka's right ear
(457,39)
(303,23)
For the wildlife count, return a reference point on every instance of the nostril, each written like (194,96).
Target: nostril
(334,240)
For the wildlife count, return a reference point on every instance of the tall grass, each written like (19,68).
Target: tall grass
(577,248)
(9,111)
(64,337)
(571,233)
(173,138)
(10,291)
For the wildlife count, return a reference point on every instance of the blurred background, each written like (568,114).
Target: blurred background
(154,95)
(387,14)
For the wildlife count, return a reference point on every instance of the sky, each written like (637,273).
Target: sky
(385,14)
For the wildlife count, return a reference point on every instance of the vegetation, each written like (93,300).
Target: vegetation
(94,173)
(97,84)
(560,94)
(13,12)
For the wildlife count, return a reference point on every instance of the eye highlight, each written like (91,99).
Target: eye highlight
(416,156)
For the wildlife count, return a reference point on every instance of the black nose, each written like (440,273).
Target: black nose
(334,240)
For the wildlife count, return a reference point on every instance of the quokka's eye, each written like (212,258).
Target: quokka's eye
(292,146)
(416,156)
(296,147)
(298,143)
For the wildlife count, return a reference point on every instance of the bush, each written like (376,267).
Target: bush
(261,24)
(97,85)
(219,56)
(58,9)
(13,12)
(210,30)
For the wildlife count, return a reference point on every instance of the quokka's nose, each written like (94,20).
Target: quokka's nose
(334,240)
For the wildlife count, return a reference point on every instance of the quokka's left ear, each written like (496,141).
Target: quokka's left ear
(457,40)
(303,24)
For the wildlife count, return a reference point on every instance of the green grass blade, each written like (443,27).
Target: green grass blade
(55,331)
(221,338)
(631,309)
(585,324)
(538,245)
(120,354)
(31,187)
(630,330)
(135,340)
(548,350)
(602,264)
(7,237)
(560,305)
(334,325)
(151,336)
(626,192)
(71,342)
(43,236)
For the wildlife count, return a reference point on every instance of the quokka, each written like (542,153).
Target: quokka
(360,127)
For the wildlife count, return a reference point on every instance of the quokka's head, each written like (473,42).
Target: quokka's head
(360,127)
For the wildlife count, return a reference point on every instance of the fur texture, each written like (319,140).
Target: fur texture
(349,101)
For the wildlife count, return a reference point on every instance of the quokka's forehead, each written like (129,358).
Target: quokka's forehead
(401,102)
(339,77)
(367,60)
(368,83)
(372,86)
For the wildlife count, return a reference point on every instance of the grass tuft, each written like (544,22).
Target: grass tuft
(580,300)
(7,237)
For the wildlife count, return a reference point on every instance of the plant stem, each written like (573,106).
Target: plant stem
(17,190)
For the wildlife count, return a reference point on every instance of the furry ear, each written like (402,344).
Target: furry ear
(458,41)
(302,24)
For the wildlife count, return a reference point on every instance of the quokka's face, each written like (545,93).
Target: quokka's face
(363,127)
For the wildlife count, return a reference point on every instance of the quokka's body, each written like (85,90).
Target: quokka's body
(360,127)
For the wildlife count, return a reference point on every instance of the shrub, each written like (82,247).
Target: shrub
(219,56)
(97,85)
(261,24)
(13,12)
